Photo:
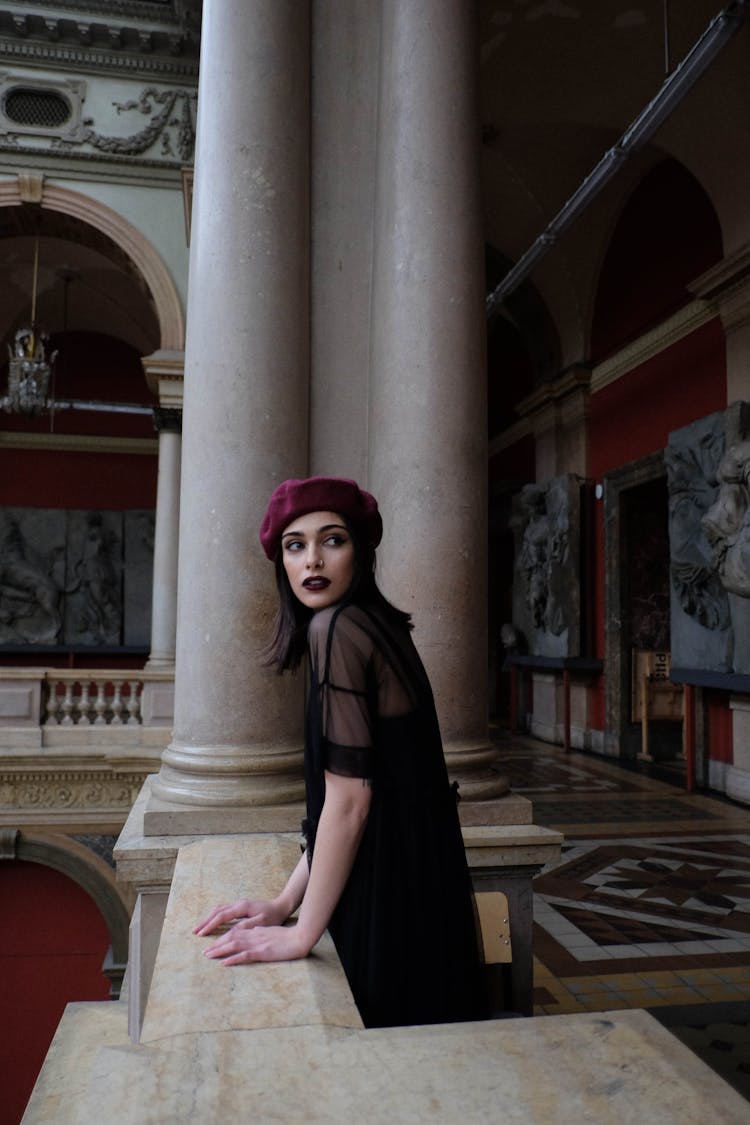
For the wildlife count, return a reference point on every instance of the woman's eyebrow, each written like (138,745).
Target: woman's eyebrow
(320,530)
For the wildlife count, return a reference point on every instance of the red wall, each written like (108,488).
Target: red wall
(53,479)
(633,417)
(720,736)
(54,943)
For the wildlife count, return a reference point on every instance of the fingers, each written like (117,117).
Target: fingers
(221,915)
(217,916)
(270,943)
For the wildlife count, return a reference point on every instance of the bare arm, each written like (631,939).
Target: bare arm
(342,822)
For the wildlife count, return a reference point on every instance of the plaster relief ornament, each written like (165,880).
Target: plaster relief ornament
(174,124)
(727,522)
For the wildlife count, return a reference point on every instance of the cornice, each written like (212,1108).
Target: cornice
(553,391)
(731,274)
(650,344)
(78,443)
(135,9)
(64,56)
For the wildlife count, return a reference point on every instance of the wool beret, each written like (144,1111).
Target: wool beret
(295,498)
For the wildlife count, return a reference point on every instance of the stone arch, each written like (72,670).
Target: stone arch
(140,251)
(665,234)
(92,874)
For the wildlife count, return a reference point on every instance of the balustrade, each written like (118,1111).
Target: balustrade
(92,699)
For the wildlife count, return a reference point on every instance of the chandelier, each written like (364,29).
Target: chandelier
(30,362)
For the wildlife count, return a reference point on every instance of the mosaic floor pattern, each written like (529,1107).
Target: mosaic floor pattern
(649,905)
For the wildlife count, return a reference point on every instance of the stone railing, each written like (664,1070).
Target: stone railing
(52,698)
(92,698)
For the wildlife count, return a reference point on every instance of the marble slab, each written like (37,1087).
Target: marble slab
(511,845)
(190,993)
(615,1068)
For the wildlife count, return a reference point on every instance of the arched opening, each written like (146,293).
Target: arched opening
(91,454)
(667,235)
(55,942)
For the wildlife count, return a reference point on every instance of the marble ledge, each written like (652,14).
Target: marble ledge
(609,1068)
(511,845)
(190,993)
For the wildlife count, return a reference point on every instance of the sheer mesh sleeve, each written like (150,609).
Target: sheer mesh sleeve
(343,657)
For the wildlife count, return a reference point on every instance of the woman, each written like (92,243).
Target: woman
(384,868)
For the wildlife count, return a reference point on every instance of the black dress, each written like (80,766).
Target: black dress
(404,925)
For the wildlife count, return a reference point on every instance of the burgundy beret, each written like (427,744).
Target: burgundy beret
(319,494)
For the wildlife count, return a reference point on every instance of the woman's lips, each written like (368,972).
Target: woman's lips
(318,583)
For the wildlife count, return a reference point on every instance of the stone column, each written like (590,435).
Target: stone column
(428,418)
(238,727)
(164,596)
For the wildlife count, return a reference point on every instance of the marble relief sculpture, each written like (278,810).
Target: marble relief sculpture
(708,465)
(727,522)
(75,578)
(546,595)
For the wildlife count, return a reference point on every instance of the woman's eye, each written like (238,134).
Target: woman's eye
(335,541)
(293,545)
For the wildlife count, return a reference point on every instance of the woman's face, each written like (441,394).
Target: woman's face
(318,556)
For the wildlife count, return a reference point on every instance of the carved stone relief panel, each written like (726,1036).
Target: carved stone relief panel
(546,585)
(709,529)
(75,578)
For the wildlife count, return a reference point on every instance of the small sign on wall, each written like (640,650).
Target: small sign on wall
(650,679)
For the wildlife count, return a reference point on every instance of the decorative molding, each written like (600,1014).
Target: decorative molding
(69,789)
(650,344)
(730,274)
(150,39)
(68,56)
(165,371)
(137,247)
(71,90)
(171,120)
(173,130)
(555,390)
(78,443)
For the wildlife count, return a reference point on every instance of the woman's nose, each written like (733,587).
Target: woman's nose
(313,560)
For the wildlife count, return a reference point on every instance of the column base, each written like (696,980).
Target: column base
(219,778)
(475,766)
(163,818)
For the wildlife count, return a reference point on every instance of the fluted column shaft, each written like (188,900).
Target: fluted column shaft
(237,727)
(428,459)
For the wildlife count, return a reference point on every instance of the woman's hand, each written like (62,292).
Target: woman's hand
(259,943)
(245,913)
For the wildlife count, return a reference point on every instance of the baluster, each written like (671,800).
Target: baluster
(53,705)
(117,703)
(84,704)
(100,706)
(68,705)
(134,703)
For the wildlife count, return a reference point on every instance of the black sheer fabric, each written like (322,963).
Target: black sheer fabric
(404,926)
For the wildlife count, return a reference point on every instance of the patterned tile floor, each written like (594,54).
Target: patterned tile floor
(649,905)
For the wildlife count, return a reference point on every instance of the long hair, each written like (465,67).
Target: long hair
(288,643)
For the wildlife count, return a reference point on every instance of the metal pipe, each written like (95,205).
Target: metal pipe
(101,407)
(673,90)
